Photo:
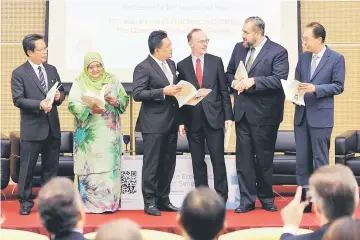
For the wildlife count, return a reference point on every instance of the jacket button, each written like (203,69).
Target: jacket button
(174,105)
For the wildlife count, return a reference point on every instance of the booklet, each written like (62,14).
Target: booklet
(239,74)
(227,135)
(52,92)
(189,95)
(292,93)
(89,98)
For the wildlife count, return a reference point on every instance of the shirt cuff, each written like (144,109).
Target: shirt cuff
(290,229)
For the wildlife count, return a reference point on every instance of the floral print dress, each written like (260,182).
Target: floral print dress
(97,149)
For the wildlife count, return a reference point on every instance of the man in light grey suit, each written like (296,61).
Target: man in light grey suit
(322,73)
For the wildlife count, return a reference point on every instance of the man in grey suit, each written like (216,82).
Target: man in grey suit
(39,126)
(157,121)
(322,73)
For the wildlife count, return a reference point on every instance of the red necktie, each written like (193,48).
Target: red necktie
(199,72)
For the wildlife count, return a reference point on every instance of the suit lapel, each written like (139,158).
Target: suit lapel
(207,65)
(322,62)
(50,82)
(173,70)
(308,67)
(158,70)
(264,50)
(191,70)
(33,76)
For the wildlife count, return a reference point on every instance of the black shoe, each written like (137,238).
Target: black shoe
(168,208)
(243,208)
(152,210)
(25,210)
(271,207)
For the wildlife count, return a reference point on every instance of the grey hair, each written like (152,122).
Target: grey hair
(258,22)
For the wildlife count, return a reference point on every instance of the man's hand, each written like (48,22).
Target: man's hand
(240,87)
(307,87)
(182,131)
(97,110)
(228,123)
(248,82)
(57,95)
(171,90)
(46,105)
(293,212)
(112,100)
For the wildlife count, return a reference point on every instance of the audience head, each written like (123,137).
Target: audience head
(313,37)
(343,229)
(35,48)
(202,215)
(198,42)
(122,229)
(334,191)
(160,45)
(253,31)
(60,206)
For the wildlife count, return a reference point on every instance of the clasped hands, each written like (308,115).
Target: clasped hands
(110,100)
(46,104)
(244,84)
(307,87)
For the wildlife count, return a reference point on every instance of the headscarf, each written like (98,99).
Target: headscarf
(88,83)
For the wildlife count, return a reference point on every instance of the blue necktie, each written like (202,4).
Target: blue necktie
(42,79)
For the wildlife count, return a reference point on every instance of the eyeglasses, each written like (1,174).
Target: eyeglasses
(204,41)
(94,67)
(306,39)
(41,50)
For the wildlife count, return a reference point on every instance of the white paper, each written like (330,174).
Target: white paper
(52,92)
(227,137)
(240,74)
(292,93)
(189,95)
(90,99)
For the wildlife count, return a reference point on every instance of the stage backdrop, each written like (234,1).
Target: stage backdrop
(182,183)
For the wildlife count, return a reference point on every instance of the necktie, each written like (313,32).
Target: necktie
(199,71)
(168,74)
(42,79)
(250,60)
(313,65)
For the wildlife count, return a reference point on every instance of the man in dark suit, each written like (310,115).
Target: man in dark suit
(258,110)
(39,126)
(157,121)
(335,193)
(322,73)
(206,120)
(61,209)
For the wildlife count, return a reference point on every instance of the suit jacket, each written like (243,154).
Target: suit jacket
(317,235)
(27,94)
(263,103)
(216,105)
(158,113)
(328,79)
(69,236)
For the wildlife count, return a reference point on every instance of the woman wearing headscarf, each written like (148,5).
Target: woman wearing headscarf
(97,136)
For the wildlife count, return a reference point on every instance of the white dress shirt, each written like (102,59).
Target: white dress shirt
(35,67)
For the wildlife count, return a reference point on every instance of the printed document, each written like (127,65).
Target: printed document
(90,99)
(189,95)
(227,137)
(292,93)
(239,75)
(52,92)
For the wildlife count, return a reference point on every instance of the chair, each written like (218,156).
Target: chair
(347,145)
(269,233)
(11,234)
(147,235)
(5,161)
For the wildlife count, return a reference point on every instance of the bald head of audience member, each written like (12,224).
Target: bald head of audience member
(60,206)
(335,193)
(343,229)
(202,215)
(122,229)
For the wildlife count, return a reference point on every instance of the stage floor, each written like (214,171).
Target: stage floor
(166,222)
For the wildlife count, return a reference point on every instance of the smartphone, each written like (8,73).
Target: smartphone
(304,197)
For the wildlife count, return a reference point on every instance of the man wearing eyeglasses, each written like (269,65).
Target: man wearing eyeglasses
(321,72)
(206,120)
(39,125)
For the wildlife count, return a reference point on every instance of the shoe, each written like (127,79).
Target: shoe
(25,210)
(243,208)
(152,210)
(168,208)
(271,207)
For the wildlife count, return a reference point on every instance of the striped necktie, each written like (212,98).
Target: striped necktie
(42,79)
